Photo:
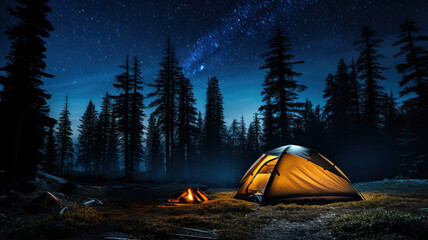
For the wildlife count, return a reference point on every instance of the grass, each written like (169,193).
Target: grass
(83,217)
(388,216)
(379,223)
(375,200)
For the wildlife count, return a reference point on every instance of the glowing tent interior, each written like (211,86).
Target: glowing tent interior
(294,173)
(190,195)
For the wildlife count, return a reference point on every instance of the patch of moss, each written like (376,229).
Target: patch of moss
(374,223)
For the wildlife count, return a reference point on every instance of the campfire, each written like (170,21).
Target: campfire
(190,195)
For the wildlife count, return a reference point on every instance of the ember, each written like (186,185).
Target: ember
(191,195)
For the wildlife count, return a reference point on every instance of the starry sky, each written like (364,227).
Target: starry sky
(212,38)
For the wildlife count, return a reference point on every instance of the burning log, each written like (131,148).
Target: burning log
(190,195)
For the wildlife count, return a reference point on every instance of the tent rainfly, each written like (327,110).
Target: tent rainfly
(295,173)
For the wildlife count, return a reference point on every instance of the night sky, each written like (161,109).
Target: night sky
(212,38)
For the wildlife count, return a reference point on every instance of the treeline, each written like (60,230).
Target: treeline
(361,127)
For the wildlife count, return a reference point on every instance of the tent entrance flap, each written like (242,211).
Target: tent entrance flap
(259,181)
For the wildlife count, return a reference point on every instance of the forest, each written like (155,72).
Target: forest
(370,133)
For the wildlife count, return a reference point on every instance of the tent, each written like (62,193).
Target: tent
(294,173)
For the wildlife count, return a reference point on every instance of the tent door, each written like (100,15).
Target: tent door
(259,181)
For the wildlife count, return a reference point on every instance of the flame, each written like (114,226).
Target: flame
(190,195)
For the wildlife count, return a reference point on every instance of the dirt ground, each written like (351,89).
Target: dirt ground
(395,209)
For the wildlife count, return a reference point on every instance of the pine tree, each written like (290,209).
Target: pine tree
(199,135)
(415,68)
(242,143)
(232,147)
(51,156)
(122,107)
(24,112)
(86,139)
(331,99)
(254,136)
(186,126)
(166,88)
(370,72)
(340,114)
(270,131)
(344,113)
(280,87)
(251,140)
(391,112)
(312,127)
(392,134)
(232,141)
(63,136)
(214,130)
(355,100)
(415,80)
(136,116)
(339,107)
(154,150)
(111,164)
(100,144)
(105,145)
(196,162)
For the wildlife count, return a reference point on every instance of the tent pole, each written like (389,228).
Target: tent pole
(361,195)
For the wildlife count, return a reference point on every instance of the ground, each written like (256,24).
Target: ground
(396,209)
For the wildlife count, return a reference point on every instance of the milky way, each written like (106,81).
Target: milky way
(248,18)
(212,38)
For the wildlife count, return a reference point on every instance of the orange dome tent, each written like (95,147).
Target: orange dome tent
(293,173)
